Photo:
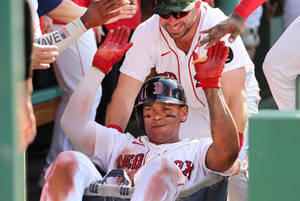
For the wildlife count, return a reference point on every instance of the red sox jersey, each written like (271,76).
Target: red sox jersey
(154,47)
(115,150)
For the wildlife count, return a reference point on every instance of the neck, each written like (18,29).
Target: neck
(185,42)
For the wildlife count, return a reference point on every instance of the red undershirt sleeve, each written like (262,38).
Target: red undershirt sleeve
(246,7)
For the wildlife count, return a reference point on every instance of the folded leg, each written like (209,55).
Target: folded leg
(68,176)
(159,179)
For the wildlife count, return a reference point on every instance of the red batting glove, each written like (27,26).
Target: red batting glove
(112,49)
(210,71)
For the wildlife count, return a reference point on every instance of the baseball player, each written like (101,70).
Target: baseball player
(157,164)
(167,41)
(281,67)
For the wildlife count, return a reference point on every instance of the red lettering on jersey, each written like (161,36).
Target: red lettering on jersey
(179,164)
(168,74)
(188,170)
(157,88)
(131,161)
(137,162)
(127,159)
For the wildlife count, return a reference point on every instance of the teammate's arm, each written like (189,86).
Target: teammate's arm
(235,93)
(224,150)
(119,112)
(235,24)
(98,13)
(76,119)
(67,11)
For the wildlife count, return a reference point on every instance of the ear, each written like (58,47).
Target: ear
(184,113)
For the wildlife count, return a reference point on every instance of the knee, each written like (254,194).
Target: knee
(63,168)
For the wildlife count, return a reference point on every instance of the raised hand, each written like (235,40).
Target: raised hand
(210,71)
(103,11)
(234,25)
(112,49)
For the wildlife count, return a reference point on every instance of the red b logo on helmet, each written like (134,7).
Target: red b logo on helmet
(157,88)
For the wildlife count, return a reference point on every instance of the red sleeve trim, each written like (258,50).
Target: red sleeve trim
(246,7)
(115,127)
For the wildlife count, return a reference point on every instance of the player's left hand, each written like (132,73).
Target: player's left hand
(112,49)
(234,25)
(209,72)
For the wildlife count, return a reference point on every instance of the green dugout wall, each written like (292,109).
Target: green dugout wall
(12,182)
(274,160)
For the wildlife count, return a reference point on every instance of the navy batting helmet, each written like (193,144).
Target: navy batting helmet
(159,89)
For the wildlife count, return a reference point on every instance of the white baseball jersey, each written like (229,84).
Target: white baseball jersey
(153,46)
(35,19)
(281,67)
(115,150)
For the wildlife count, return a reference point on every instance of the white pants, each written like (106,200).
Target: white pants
(282,66)
(65,180)
(71,66)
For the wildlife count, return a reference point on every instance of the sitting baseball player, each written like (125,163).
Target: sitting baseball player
(158,164)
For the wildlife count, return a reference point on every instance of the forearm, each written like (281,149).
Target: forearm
(65,36)
(119,111)
(76,118)
(238,108)
(223,130)
(122,102)
(246,7)
(67,11)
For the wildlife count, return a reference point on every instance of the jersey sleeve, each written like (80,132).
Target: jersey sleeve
(246,7)
(140,58)
(203,146)
(45,6)
(108,144)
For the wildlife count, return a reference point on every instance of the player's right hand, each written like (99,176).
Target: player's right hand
(234,24)
(112,49)
(210,71)
(104,11)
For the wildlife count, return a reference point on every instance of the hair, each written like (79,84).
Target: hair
(28,40)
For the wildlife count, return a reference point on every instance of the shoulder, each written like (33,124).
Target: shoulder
(211,16)
(149,28)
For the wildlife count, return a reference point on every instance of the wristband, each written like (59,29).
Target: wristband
(118,128)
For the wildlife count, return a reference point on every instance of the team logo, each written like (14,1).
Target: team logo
(230,56)
(157,88)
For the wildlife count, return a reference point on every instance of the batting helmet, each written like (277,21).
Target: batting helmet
(159,89)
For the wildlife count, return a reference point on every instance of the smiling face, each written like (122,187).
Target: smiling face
(162,121)
(178,28)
